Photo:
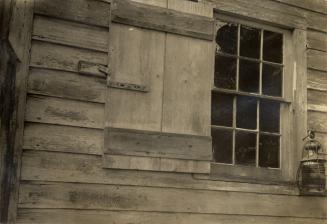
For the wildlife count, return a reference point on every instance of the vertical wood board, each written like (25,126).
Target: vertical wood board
(137,57)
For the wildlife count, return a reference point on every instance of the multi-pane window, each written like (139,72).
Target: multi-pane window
(247,96)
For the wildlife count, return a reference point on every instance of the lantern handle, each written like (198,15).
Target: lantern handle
(311,135)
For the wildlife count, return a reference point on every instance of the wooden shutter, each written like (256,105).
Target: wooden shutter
(158,101)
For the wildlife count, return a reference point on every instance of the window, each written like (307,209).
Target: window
(250,97)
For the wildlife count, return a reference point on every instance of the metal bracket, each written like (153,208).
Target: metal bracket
(89,68)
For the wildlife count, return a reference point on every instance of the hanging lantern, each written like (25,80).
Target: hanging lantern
(311,175)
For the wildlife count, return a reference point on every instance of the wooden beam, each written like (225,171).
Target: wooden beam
(135,198)
(84,11)
(57,216)
(155,164)
(157,144)
(161,19)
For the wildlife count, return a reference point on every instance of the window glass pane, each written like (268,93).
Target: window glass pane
(222,144)
(272,46)
(269,151)
(272,80)
(269,116)
(245,148)
(226,38)
(222,109)
(249,76)
(250,42)
(225,72)
(246,112)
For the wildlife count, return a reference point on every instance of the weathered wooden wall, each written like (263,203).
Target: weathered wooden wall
(62,175)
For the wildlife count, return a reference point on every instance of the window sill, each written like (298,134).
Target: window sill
(247,174)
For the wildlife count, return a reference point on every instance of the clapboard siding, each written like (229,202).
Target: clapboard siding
(63,175)
(316,97)
(90,12)
(38,136)
(70,33)
(52,110)
(66,85)
(317,80)
(317,40)
(317,121)
(56,216)
(313,5)
(54,56)
(113,197)
(87,168)
(317,60)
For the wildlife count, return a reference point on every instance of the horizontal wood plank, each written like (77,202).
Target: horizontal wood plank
(66,85)
(317,97)
(322,138)
(155,164)
(65,167)
(70,33)
(161,19)
(51,110)
(317,40)
(59,57)
(55,216)
(317,60)
(192,7)
(113,197)
(264,10)
(313,5)
(317,121)
(80,11)
(58,138)
(317,80)
(157,144)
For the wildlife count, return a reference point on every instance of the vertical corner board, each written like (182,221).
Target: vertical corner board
(162,19)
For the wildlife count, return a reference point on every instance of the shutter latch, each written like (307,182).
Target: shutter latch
(89,68)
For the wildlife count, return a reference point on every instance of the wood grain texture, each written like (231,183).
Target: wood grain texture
(155,164)
(317,60)
(317,121)
(82,12)
(55,216)
(196,8)
(51,110)
(67,85)
(59,57)
(317,80)
(157,144)
(70,33)
(317,40)
(187,85)
(317,98)
(66,167)
(299,127)
(137,57)
(20,39)
(58,138)
(161,19)
(113,197)
(314,5)
(264,10)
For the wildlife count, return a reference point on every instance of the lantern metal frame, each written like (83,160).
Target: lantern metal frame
(311,176)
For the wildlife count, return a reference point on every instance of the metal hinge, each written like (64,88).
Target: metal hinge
(89,68)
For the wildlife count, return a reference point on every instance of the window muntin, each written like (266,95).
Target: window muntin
(247,96)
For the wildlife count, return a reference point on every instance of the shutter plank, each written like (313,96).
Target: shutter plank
(161,19)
